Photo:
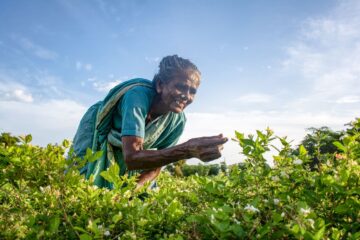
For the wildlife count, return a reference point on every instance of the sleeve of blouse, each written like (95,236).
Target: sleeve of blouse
(133,109)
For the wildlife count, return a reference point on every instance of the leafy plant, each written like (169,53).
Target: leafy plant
(250,201)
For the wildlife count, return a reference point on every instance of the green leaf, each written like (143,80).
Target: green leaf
(319,234)
(116,218)
(80,229)
(247,142)
(222,226)
(66,143)
(295,229)
(339,146)
(112,174)
(261,135)
(28,138)
(89,153)
(347,140)
(302,150)
(95,156)
(237,230)
(342,208)
(276,217)
(54,224)
(239,135)
(85,237)
(283,141)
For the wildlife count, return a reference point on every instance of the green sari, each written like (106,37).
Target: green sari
(95,132)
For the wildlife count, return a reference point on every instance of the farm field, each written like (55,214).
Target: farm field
(294,199)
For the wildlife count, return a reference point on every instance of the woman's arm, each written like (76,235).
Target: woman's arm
(203,148)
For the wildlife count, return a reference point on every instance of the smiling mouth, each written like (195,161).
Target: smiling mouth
(181,104)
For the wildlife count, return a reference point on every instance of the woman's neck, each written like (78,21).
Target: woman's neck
(156,109)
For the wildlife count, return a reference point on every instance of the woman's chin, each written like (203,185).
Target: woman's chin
(177,109)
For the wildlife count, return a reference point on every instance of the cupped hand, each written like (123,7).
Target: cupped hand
(206,148)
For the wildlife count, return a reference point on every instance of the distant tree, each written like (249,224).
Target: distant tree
(223,167)
(319,144)
(354,127)
(214,169)
(8,140)
(181,169)
(170,168)
(190,170)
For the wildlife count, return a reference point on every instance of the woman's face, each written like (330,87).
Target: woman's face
(178,93)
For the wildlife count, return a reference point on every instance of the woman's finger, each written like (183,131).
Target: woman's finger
(213,141)
(210,157)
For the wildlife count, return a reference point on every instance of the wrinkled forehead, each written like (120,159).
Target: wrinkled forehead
(191,76)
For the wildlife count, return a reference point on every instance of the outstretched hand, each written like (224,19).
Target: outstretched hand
(206,148)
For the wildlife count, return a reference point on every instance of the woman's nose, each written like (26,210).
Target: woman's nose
(186,95)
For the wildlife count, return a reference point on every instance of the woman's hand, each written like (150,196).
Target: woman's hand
(148,176)
(206,148)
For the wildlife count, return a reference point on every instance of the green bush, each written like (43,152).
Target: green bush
(288,201)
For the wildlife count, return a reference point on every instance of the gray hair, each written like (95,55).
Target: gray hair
(175,66)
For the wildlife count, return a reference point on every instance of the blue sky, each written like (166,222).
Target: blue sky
(287,64)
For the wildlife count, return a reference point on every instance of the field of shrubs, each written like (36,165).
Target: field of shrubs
(311,192)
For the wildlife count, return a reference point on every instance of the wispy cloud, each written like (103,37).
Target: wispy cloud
(12,91)
(254,98)
(106,86)
(49,121)
(19,93)
(22,95)
(83,66)
(348,99)
(35,84)
(36,49)
(327,52)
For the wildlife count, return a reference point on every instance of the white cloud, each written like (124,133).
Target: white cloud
(105,86)
(50,121)
(20,95)
(11,91)
(348,99)
(37,50)
(326,54)
(254,98)
(23,96)
(83,66)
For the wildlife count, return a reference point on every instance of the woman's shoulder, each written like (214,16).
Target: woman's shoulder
(140,93)
(140,87)
(137,82)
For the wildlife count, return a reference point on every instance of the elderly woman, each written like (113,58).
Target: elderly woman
(139,122)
